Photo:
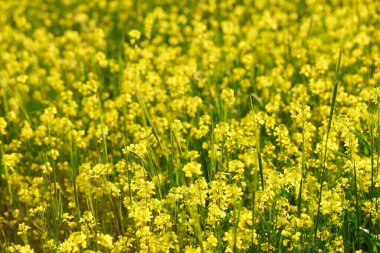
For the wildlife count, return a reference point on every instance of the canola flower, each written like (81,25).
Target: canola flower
(189,126)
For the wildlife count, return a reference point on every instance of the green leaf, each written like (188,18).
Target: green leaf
(360,137)
(338,153)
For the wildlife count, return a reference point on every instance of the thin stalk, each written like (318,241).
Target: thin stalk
(104,160)
(333,100)
(372,155)
(236,225)
(356,200)
(74,171)
(56,204)
(258,149)
(303,169)
(372,143)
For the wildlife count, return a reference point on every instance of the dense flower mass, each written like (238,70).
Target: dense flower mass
(189,126)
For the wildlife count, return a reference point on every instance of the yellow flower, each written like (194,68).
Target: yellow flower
(192,169)
(228,97)
(3,126)
(105,240)
(134,34)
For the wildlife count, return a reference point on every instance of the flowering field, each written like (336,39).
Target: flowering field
(189,126)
